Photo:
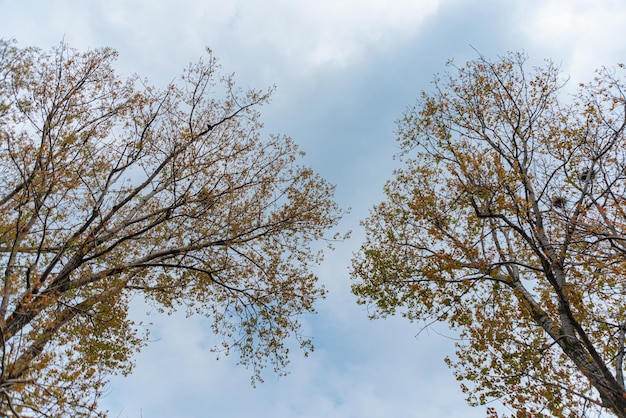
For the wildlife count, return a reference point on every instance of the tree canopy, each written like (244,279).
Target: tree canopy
(507,220)
(111,188)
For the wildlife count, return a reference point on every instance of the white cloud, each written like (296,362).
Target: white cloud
(272,38)
(586,34)
(308,33)
(361,369)
(329,31)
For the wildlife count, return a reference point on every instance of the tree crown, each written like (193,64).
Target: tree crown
(507,222)
(111,188)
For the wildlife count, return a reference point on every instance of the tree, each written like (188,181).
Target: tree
(112,189)
(507,219)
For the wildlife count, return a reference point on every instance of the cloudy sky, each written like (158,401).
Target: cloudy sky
(345,70)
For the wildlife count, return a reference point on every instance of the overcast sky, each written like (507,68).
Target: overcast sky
(345,70)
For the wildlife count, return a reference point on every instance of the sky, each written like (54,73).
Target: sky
(344,70)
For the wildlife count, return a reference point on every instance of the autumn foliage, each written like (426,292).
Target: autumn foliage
(112,189)
(507,220)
